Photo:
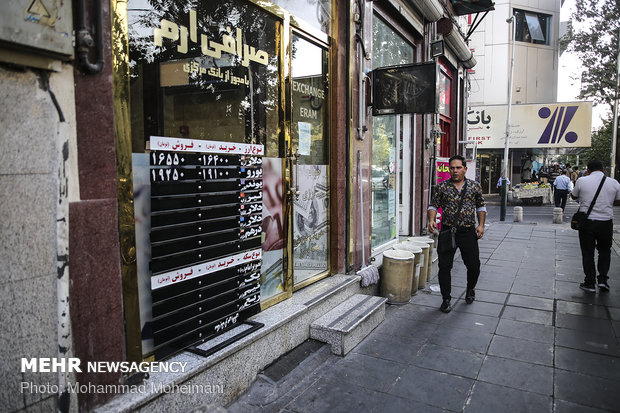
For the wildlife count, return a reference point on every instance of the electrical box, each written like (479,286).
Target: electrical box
(36,33)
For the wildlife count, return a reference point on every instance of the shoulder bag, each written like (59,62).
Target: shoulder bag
(578,221)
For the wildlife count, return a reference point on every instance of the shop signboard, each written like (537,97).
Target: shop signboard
(205,238)
(411,88)
(550,125)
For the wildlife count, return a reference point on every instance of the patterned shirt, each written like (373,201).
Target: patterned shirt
(447,197)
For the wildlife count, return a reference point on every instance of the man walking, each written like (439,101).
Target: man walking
(563,186)
(598,229)
(461,200)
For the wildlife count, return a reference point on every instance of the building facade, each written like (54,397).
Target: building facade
(535,75)
(193,164)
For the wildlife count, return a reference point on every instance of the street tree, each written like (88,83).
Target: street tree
(593,35)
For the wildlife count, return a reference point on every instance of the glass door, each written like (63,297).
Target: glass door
(309,160)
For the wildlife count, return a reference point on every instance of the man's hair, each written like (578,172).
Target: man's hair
(595,165)
(458,158)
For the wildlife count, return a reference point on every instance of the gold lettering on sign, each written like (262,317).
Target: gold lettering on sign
(231,44)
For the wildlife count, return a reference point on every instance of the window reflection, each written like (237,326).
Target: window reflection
(315,12)
(205,71)
(531,27)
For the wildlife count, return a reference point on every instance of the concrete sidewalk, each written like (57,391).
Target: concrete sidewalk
(531,342)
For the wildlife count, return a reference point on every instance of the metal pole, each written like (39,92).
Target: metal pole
(504,193)
(614,136)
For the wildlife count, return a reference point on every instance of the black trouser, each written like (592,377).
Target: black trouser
(599,235)
(465,240)
(560,196)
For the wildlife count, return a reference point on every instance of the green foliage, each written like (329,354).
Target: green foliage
(601,144)
(593,36)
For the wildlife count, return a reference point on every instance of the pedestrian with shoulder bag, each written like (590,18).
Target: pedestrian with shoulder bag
(597,195)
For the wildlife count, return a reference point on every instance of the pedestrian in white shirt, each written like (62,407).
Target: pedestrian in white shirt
(598,230)
(563,186)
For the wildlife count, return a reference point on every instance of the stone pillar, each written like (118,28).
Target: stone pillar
(518,214)
(558,215)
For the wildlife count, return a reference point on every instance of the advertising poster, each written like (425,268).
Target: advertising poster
(310,222)
(272,276)
(442,173)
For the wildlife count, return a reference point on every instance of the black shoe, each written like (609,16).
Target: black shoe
(603,287)
(445,305)
(470,296)
(589,287)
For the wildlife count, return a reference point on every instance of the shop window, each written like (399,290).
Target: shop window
(310,142)
(445,93)
(389,48)
(214,75)
(205,71)
(531,27)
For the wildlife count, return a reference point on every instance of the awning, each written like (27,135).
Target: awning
(464,7)
(431,9)
(454,40)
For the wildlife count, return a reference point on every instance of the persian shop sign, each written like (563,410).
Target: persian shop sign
(551,125)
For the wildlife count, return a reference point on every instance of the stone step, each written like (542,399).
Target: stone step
(347,324)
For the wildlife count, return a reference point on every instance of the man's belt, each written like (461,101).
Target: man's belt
(454,230)
(457,228)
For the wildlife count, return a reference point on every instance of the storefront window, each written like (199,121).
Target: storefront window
(309,136)
(445,93)
(389,48)
(208,72)
(205,71)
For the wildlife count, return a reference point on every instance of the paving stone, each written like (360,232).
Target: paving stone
(534,283)
(473,322)
(583,340)
(419,312)
(491,398)
(518,300)
(478,307)
(533,290)
(587,390)
(587,363)
(523,350)
(463,339)
(395,348)
(528,315)
(420,384)
(368,372)
(332,395)
(524,330)
(582,309)
(458,362)
(490,296)
(562,406)
(416,330)
(517,374)
(578,322)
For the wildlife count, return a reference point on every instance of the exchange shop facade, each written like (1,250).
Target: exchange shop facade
(209,163)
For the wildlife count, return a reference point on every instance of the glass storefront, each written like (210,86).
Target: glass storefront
(389,48)
(213,71)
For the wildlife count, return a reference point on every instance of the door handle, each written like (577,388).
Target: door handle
(294,166)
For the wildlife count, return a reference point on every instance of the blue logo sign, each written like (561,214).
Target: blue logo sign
(554,132)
